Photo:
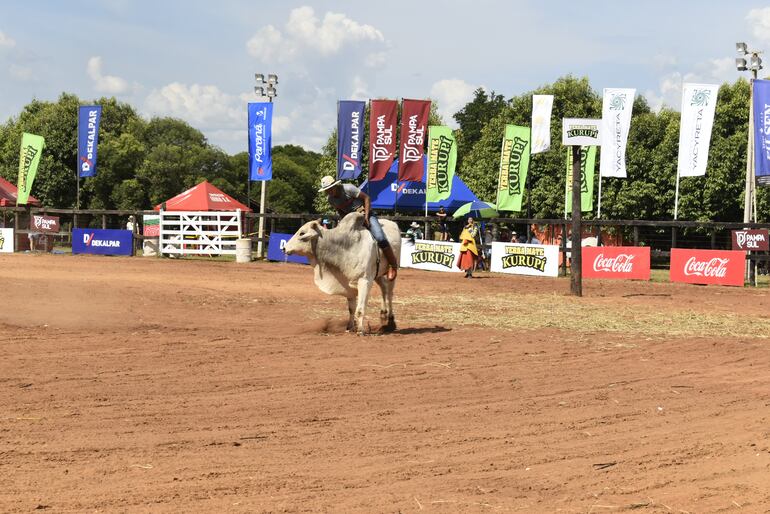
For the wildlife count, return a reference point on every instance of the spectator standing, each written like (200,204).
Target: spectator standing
(469,253)
(442,225)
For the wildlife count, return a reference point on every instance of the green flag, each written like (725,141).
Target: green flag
(29,158)
(514,163)
(587,164)
(442,157)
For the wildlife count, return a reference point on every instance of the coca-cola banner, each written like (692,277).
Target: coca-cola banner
(752,240)
(41,223)
(383,117)
(523,259)
(629,262)
(723,267)
(414,126)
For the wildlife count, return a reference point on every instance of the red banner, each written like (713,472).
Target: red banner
(42,223)
(723,267)
(383,117)
(753,240)
(629,262)
(414,129)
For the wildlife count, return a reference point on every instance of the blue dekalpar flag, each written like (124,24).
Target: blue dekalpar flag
(260,141)
(350,138)
(88,138)
(762,131)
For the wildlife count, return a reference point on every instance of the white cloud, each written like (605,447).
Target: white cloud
(375,59)
(663,61)
(451,95)
(669,92)
(759,22)
(21,73)
(108,84)
(202,106)
(305,33)
(360,89)
(6,41)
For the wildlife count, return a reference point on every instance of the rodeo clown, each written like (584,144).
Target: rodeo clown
(347,198)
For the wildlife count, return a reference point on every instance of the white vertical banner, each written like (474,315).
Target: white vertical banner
(542,105)
(616,120)
(698,104)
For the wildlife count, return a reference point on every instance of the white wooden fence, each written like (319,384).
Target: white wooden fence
(199,232)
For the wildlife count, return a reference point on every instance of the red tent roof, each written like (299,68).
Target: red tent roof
(9,193)
(203,197)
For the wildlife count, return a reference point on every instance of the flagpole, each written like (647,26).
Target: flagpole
(676,197)
(566,182)
(599,205)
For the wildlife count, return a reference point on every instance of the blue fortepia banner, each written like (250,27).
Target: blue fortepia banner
(89,117)
(260,141)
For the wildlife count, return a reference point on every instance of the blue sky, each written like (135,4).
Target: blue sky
(196,60)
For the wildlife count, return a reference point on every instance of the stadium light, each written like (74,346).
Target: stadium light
(264,88)
(741,48)
(740,64)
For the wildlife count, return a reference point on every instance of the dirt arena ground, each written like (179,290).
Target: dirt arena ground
(144,385)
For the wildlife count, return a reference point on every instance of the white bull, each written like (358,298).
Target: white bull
(346,260)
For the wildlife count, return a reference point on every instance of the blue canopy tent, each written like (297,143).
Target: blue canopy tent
(410,196)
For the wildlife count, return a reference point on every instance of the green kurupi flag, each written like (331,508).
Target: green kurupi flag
(514,163)
(29,158)
(442,157)
(587,165)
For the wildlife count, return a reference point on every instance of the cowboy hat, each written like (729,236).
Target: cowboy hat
(415,225)
(328,182)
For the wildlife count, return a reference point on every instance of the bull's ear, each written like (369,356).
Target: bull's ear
(316,226)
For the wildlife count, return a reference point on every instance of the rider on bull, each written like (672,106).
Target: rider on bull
(347,198)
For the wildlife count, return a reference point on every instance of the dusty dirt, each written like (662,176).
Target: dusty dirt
(144,385)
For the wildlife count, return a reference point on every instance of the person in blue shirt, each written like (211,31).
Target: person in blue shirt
(347,198)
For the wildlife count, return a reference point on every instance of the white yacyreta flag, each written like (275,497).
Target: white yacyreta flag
(616,120)
(541,123)
(698,104)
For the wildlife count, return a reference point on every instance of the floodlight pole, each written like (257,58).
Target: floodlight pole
(270,91)
(576,253)
(262,199)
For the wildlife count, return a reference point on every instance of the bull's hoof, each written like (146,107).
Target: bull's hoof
(390,326)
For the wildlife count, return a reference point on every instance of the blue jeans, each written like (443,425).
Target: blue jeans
(376,229)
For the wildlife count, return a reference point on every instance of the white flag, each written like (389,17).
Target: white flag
(541,122)
(616,120)
(698,104)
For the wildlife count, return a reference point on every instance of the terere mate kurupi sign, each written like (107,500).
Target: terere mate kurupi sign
(581,132)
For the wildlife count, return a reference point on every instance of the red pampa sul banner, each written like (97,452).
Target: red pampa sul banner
(723,267)
(629,262)
(383,118)
(414,128)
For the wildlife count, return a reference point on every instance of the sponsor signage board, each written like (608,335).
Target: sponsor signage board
(581,132)
(102,241)
(275,249)
(751,240)
(524,259)
(430,255)
(41,223)
(6,240)
(624,262)
(151,225)
(722,267)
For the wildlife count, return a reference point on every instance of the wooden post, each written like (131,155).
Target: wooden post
(673,237)
(564,250)
(104,221)
(576,272)
(636,235)
(713,239)
(16,231)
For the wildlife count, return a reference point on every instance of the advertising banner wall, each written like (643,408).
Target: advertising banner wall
(275,249)
(102,241)
(383,117)
(624,262)
(29,157)
(350,138)
(524,259)
(260,141)
(698,104)
(414,126)
(89,117)
(430,255)
(542,105)
(41,223)
(722,267)
(751,240)
(761,95)
(6,240)
(151,225)
(587,169)
(616,119)
(442,158)
(514,164)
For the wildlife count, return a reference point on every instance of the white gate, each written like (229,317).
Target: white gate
(199,232)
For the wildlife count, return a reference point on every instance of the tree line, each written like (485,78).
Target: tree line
(144,162)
